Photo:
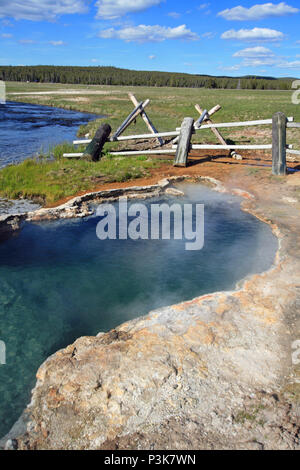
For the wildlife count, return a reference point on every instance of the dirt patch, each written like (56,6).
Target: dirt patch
(219,165)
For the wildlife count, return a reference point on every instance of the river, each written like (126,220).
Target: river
(26,130)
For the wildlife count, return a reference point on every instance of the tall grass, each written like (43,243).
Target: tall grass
(52,177)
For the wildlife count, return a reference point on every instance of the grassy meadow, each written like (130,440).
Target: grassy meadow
(55,179)
(47,181)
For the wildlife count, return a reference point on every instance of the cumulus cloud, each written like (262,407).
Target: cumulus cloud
(255,34)
(290,65)
(144,33)
(257,12)
(41,10)
(152,57)
(254,52)
(260,61)
(261,56)
(111,9)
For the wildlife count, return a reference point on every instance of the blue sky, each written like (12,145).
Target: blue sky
(217,38)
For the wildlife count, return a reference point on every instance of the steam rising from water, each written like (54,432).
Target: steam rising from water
(58,281)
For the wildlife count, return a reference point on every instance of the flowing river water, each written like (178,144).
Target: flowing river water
(26,130)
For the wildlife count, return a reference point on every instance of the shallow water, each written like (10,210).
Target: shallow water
(58,282)
(17,207)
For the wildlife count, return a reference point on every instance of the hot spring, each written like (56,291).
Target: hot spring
(58,281)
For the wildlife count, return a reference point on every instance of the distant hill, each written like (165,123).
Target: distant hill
(117,76)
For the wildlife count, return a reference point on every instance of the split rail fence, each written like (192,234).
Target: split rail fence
(182,137)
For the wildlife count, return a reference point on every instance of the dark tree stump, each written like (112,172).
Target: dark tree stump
(94,149)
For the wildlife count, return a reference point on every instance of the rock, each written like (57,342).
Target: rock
(290,200)
(174,192)
(11,444)
(204,374)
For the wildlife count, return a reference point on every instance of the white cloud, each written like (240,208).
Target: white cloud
(258,62)
(209,35)
(6,35)
(203,6)
(27,41)
(39,10)
(144,33)
(174,14)
(290,65)
(231,68)
(254,52)
(152,57)
(57,43)
(255,34)
(7,23)
(257,12)
(255,57)
(111,9)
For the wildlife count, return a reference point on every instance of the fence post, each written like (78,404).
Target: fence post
(279,144)
(184,143)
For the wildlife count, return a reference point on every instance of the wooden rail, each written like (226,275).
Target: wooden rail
(128,153)
(240,124)
(280,123)
(132,137)
(229,147)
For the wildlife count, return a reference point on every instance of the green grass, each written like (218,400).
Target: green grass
(168,106)
(51,181)
(48,181)
(251,415)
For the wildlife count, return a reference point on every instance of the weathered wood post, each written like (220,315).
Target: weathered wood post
(94,149)
(146,119)
(279,144)
(184,143)
(132,116)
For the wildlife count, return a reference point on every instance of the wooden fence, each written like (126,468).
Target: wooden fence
(181,143)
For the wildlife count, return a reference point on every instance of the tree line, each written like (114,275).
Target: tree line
(117,76)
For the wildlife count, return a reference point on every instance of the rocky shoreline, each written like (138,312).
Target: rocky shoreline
(212,373)
(79,207)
